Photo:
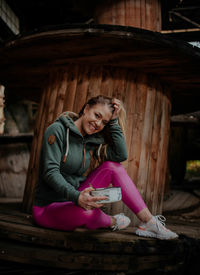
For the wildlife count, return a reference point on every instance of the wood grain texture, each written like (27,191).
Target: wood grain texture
(24,242)
(31,58)
(144,100)
(144,14)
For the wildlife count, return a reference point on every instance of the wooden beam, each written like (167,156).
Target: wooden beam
(185,119)
(184,18)
(180,31)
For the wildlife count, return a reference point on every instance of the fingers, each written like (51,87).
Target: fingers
(98,198)
(89,202)
(93,202)
(88,190)
(116,103)
(117,106)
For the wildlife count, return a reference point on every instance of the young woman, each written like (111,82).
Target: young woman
(74,144)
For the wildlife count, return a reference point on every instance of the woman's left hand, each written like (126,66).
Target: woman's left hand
(117,106)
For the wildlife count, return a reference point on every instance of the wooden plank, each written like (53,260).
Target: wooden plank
(36,147)
(107,81)
(137,22)
(143,14)
(55,85)
(78,261)
(61,95)
(154,152)
(138,124)
(81,88)
(120,13)
(94,86)
(119,82)
(143,175)
(130,104)
(158,16)
(71,87)
(162,255)
(163,150)
(26,243)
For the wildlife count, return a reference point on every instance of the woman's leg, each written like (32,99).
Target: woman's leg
(113,172)
(68,216)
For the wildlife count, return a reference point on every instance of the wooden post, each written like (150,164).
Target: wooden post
(145,14)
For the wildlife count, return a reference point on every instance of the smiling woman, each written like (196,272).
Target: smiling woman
(63,198)
(94,118)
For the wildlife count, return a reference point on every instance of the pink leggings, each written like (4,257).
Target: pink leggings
(68,216)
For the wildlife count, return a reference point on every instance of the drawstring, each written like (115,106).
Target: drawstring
(84,153)
(67,149)
(98,151)
(67,145)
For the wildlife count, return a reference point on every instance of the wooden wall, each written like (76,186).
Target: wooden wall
(148,109)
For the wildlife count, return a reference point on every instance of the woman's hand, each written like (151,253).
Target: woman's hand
(87,201)
(117,106)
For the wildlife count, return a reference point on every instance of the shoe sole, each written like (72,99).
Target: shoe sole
(153,235)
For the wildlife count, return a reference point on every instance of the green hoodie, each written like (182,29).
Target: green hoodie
(65,157)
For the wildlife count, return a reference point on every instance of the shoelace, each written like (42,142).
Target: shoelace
(160,221)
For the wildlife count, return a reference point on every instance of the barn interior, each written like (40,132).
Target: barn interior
(180,22)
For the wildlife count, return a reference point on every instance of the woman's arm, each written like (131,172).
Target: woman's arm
(52,148)
(116,151)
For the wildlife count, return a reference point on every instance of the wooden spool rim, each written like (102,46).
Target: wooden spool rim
(26,61)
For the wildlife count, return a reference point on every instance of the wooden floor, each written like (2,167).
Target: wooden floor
(99,251)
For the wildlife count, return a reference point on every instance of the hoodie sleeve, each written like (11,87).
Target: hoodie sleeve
(117,150)
(53,143)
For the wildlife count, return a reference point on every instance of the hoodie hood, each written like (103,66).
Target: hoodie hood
(67,119)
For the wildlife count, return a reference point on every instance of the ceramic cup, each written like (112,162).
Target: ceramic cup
(113,194)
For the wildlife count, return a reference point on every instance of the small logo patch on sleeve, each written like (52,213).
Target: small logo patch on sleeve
(51,139)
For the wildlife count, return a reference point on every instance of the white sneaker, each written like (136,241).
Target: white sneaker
(156,228)
(121,222)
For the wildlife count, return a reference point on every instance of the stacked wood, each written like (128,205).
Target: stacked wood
(2,109)
(14,150)
(14,160)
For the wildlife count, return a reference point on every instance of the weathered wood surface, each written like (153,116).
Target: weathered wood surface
(98,250)
(135,13)
(26,62)
(148,108)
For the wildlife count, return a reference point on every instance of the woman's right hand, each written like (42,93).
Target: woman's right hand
(87,201)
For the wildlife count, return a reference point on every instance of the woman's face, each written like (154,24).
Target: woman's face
(95,118)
